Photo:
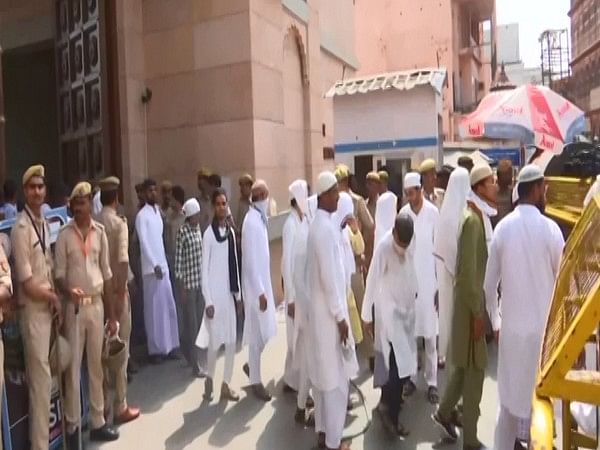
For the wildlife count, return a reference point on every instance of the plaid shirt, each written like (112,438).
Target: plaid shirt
(188,256)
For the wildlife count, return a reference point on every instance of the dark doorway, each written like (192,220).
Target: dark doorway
(31,134)
(362,166)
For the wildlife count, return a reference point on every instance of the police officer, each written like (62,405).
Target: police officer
(118,245)
(83,274)
(5,295)
(30,239)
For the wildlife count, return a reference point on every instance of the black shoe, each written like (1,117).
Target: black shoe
(478,446)
(73,441)
(104,434)
(409,388)
(448,428)
(132,367)
(155,359)
(287,389)
(175,355)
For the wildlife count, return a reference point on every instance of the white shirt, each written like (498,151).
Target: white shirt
(330,365)
(524,258)
(259,326)
(221,329)
(385,215)
(149,228)
(425,223)
(392,288)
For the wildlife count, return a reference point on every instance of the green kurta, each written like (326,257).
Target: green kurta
(468,293)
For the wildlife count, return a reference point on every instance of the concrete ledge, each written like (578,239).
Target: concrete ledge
(328,43)
(298,8)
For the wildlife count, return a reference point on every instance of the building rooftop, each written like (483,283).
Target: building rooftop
(403,80)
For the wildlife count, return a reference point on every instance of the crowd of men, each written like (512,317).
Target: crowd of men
(355,271)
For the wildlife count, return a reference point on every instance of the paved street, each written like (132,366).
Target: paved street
(174,416)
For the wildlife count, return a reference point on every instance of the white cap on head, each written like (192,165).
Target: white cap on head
(480,172)
(529,173)
(325,182)
(191,207)
(412,180)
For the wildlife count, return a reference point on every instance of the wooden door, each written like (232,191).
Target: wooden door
(81,89)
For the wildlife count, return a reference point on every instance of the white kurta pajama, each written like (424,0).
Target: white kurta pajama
(216,289)
(259,326)
(392,289)
(160,315)
(331,366)
(294,238)
(385,215)
(426,324)
(524,258)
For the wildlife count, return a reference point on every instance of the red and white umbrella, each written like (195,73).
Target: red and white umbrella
(534,115)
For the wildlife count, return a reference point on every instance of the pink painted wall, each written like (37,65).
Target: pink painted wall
(396,35)
(406,34)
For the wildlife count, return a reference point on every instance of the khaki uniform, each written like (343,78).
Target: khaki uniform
(31,262)
(84,264)
(367,229)
(117,235)
(436,197)
(5,280)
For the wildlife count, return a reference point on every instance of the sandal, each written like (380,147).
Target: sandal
(432,395)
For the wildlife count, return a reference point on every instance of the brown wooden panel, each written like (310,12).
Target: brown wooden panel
(81,88)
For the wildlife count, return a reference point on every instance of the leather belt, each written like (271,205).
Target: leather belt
(90,300)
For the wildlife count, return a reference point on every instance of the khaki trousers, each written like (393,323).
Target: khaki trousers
(358,288)
(118,379)
(36,329)
(91,338)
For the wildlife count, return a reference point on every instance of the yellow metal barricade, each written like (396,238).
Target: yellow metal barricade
(573,317)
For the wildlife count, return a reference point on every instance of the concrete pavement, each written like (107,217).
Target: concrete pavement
(174,416)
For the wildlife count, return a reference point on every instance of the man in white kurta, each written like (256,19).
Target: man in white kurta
(332,363)
(425,217)
(295,237)
(221,291)
(160,315)
(524,258)
(385,214)
(259,305)
(392,289)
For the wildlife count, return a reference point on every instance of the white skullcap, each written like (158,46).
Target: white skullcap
(529,173)
(258,184)
(325,182)
(480,172)
(412,180)
(191,207)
